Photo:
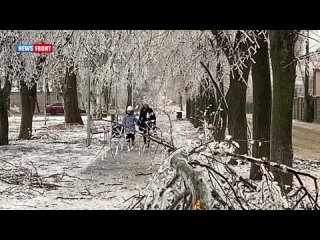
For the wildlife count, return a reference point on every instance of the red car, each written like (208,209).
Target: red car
(57,108)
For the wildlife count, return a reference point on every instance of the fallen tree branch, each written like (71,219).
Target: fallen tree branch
(193,180)
(72,198)
(224,178)
(113,184)
(143,174)
(137,202)
(171,135)
(6,181)
(216,86)
(185,194)
(173,180)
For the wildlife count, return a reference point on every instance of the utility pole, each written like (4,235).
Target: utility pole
(132,90)
(88,113)
(116,103)
(307,98)
(45,101)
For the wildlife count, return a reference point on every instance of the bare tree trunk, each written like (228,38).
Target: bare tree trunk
(212,106)
(191,102)
(202,103)
(236,96)
(261,106)
(4,123)
(107,95)
(99,105)
(221,121)
(180,101)
(129,91)
(196,113)
(187,108)
(188,104)
(70,96)
(48,93)
(28,96)
(284,73)
(237,119)
(37,103)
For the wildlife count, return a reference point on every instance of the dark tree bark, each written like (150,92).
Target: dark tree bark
(212,106)
(218,118)
(187,108)
(70,96)
(196,112)
(221,125)
(237,119)
(261,106)
(180,101)
(129,91)
(284,73)
(236,96)
(37,104)
(191,100)
(4,123)
(130,86)
(202,114)
(107,95)
(47,93)
(28,95)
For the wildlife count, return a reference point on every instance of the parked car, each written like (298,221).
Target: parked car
(57,108)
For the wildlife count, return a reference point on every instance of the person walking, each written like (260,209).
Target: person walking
(129,122)
(147,120)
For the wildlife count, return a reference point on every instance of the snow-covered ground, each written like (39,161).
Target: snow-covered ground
(72,175)
(56,170)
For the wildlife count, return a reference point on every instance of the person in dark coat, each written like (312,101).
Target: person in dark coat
(147,120)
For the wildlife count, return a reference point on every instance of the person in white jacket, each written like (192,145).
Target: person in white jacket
(129,122)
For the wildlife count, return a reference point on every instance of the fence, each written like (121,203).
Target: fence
(317,110)
(298,105)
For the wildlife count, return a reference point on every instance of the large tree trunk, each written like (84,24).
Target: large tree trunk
(191,102)
(180,101)
(284,73)
(193,181)
(129,100)
(4,123)
(202,103)
(106,92)
(237,119)
(236,96)
(187,108)
(70,96)
(212,106)
(48,94)
(28,95)
(261,106)
(221,124)
(37,103)
(196,112)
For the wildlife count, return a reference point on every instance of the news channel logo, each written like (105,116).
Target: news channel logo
(34,48)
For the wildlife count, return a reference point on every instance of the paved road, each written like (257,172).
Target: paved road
(306,139)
